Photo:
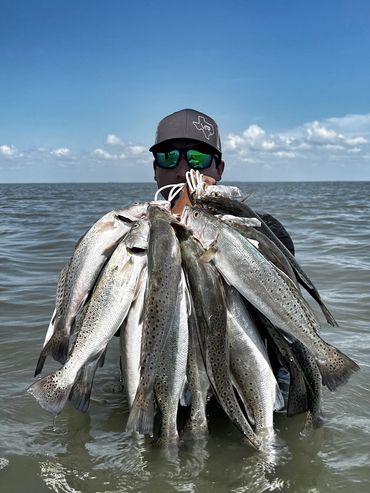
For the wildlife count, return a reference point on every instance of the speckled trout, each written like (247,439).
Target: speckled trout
(110,301)
(268,289)
(164,271)
(79,276)
(207,292)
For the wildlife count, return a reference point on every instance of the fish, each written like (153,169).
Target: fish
(250,365)
(171,374)
(237,208)
(130,342)
(277,343)
(268,289)
(91,253)
(222,191)
(164,272)
(109,304)
(198,382)
(312,377)
(208,297)
(267,247)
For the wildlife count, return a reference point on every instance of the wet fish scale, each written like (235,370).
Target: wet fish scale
(164,270)
(269,290)
(209,303)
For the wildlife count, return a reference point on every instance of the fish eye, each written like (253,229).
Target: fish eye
(136,225)
(215,194)
(195,214)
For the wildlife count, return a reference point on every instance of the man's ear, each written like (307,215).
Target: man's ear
(220,169)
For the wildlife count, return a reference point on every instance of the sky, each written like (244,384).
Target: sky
(83,85)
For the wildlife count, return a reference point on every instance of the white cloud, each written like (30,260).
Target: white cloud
(112,139)
(136,150)
(317,133)
(61,152)
(102,154)
(332,138)
(8,151)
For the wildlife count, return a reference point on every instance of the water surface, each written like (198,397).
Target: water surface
(40,224)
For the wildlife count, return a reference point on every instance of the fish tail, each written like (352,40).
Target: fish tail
(52,391)
(141,417)
(337,369)
(314,420)
(80,395)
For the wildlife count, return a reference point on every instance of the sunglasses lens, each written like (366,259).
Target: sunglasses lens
(199,160)
(167,159)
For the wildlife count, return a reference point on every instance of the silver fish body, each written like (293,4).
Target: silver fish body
(269,290)
(130,342)
(250,365)
(237,208)
(209,303)
(90,255)
(109,304)
(171,374)
(198,381)
(164,271)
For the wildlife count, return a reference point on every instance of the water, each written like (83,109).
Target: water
(40,224)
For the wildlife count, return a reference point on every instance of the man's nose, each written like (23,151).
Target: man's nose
(182,168)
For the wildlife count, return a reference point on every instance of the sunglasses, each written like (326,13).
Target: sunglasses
(195,159)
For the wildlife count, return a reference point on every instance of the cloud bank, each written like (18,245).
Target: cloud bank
(330,149)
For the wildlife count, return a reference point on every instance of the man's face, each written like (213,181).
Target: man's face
(177,174)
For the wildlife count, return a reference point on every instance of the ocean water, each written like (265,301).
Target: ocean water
(39,226)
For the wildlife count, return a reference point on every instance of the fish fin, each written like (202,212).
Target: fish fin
(208,254)
(329,317)
(57,346)
(337,370)
(51,392)
(141,417)
(312,422)
(81,390)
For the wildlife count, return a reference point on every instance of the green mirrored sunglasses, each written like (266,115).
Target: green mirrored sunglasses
(195,159)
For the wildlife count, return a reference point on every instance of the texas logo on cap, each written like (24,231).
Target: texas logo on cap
(203,126)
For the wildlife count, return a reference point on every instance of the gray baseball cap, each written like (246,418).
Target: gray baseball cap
(188,124)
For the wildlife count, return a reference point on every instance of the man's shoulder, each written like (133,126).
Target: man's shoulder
(279,230)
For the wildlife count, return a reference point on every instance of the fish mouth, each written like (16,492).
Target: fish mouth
(137,249)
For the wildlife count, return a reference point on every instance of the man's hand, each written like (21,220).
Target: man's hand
(184,197)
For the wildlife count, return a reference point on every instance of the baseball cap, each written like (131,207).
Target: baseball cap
(188,124)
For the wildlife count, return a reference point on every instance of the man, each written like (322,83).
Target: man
(190,139)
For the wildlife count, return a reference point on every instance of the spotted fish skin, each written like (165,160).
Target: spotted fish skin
(250,365)
(237,208)
(91,253)
(170,379)
(198,381)
(164,271)
(269,290)
(108,307)
(210,309)
(313,384)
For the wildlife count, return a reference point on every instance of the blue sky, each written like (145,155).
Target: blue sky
(83,85)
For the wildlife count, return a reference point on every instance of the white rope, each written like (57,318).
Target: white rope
(175,191)
(163,188)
